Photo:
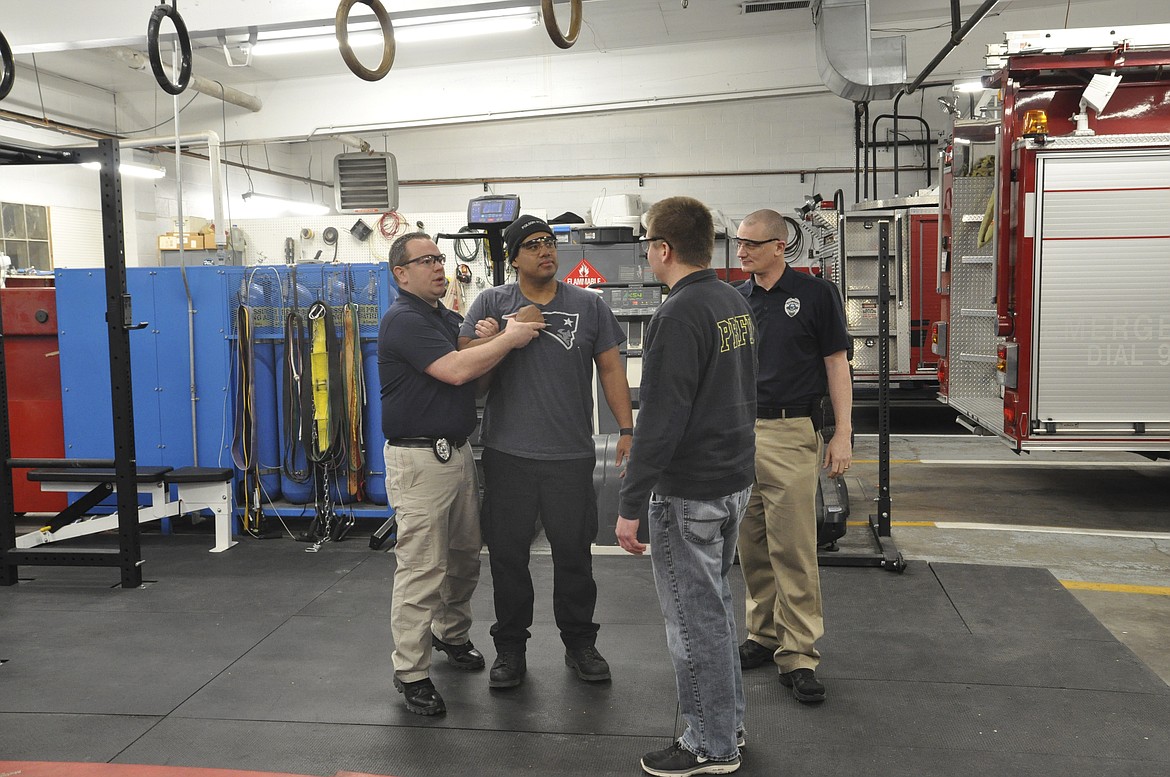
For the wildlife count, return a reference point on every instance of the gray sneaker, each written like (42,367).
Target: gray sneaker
(677,761)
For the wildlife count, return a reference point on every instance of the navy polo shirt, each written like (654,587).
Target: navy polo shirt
(799,321)
(412,336)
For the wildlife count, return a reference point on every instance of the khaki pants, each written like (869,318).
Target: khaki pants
(437,507)
(778,544)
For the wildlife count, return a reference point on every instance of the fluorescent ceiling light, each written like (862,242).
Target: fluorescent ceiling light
(465,29)
(969,86)
(280,205)
(132,169)
(423,28)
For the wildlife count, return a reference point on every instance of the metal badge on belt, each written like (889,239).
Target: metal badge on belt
(442,449)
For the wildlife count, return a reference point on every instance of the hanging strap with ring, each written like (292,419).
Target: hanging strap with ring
(563,40)
(184,40)
(9,64)
(341,23)
(244,444)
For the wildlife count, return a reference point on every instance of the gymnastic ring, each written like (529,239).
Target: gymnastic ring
(9,65)
(342,29)
(156,17)
(554,30)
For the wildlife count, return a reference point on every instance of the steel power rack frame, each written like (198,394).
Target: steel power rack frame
(119,321)
(886,555)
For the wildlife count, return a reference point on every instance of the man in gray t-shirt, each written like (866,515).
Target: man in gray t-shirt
(538,453)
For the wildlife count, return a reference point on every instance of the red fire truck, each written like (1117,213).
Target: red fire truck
(1054,264)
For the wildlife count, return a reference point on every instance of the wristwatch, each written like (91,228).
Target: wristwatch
(626,431)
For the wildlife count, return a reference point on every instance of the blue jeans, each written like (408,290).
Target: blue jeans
(692,544)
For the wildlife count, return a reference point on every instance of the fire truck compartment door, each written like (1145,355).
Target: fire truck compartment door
(1101,305)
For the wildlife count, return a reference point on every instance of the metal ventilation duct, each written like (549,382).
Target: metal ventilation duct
(756,6)
(365,182)
(852,64)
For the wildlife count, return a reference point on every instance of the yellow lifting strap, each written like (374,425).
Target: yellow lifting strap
(319,363)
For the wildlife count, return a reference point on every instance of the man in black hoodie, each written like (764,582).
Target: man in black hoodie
(692,461)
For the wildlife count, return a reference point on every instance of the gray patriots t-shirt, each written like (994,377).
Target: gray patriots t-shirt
(540,404)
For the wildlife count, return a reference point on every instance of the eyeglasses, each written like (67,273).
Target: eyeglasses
(430,260)
(743,242)
(535,243)
(646,240)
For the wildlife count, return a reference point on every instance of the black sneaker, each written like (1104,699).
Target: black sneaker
(740,739)
(677,761)
(508,670)
(463,656)
(588,663)
(421,697)
(804,684)
(752,654)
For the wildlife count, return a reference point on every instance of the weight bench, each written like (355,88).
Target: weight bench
(198,488)
(206,488)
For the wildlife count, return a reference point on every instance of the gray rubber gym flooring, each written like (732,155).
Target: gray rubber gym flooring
(270,658)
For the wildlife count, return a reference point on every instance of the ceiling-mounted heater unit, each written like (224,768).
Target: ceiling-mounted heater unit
(365,182)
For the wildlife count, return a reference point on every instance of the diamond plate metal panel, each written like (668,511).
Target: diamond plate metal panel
(861,294)
(826,245)
(1144,141)
(973,387)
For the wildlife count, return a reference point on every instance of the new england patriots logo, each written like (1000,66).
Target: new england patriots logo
(792,307)
(562,326)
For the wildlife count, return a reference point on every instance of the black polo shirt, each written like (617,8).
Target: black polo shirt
(412,336)
(799,322)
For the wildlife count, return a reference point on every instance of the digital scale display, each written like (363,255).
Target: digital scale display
(493,209)
(633,300)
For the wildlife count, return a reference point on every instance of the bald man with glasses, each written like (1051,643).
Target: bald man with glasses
(428,411)
(803,353)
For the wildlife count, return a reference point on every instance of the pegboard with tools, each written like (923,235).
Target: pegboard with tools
(360,238)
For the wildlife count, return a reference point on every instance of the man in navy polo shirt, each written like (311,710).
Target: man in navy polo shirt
(428,410)
(803,350)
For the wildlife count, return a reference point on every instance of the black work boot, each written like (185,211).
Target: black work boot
(421,697)
(508,670)
(752,654)
(463,656)
(588,663)
(804,684)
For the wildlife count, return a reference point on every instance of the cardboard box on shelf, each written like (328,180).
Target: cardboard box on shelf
(192,224)
(170,242)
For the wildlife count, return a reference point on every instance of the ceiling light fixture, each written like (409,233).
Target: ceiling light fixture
(422,28)
(273,206)
(132,169)
(969,86)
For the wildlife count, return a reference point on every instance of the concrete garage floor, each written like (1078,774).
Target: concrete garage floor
(1100,522)
(976,661)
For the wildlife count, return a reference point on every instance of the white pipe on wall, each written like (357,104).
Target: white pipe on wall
(215,160)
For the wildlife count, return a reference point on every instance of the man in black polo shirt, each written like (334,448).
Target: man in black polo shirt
(803,345)
(428,410)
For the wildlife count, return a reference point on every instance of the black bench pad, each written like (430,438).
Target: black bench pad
(200,475)
(94,475)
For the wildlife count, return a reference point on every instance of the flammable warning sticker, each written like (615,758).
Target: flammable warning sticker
(584,275)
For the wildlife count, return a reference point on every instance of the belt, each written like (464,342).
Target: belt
(803,411)
(423,442)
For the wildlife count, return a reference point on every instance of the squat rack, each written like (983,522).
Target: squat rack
(119,322)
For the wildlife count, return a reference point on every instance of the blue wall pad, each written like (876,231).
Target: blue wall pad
(161,361)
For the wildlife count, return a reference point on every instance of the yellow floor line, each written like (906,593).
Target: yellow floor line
(1151,590)
(893,523)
